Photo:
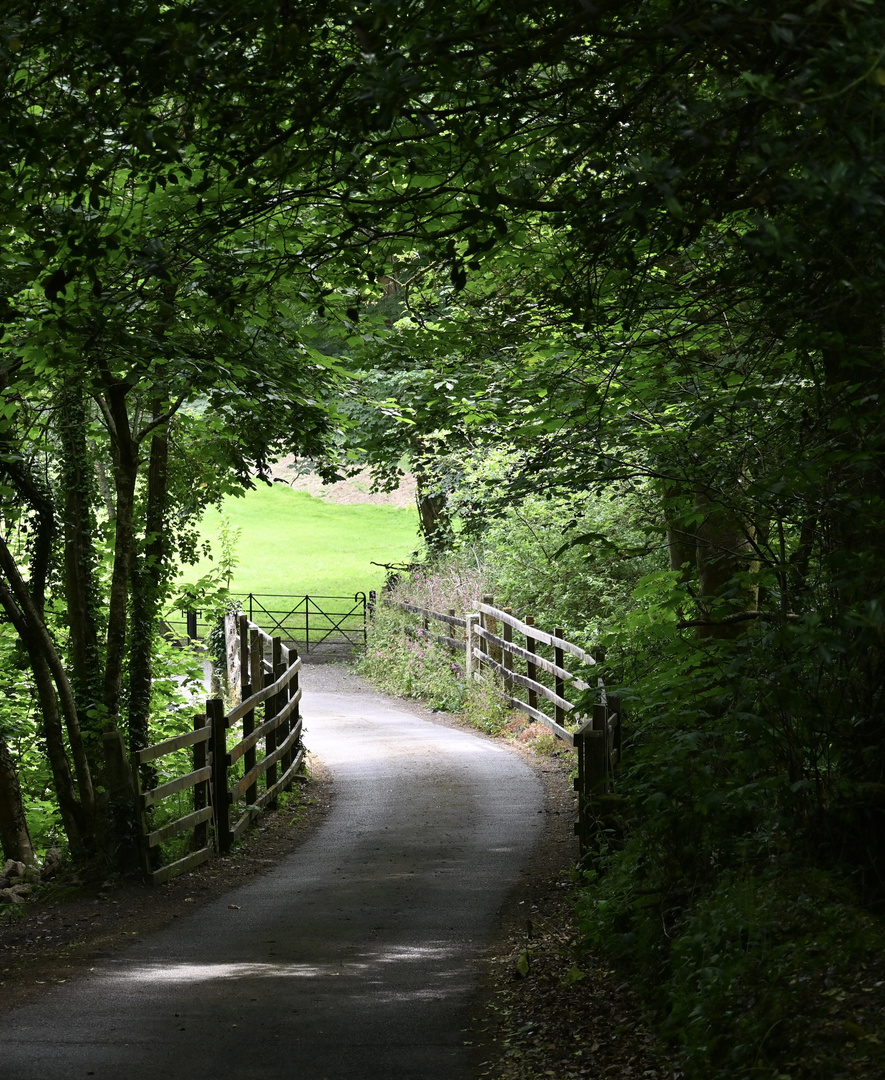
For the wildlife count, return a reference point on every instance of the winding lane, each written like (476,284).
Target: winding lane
(354,959)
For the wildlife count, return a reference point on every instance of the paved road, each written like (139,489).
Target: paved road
(355,958)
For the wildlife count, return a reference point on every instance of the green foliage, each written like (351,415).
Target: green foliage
(178,689)
(570,560)
(638,248)
(751,978)
(486,707)
(401,659)
(738,806)
(752,957)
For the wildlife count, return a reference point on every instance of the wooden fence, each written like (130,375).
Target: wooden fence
(272,683)
(230,782)
(458,644)
(150,795)
(531,664)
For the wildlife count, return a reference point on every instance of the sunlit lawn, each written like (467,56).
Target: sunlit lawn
(295,544)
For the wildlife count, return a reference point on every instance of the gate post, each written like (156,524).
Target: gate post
(291,691)
(220,793)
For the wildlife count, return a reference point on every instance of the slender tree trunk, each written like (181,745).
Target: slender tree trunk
(103,485)
(37,639)
(148,575)
(79,555)
(78,825)
(118,774)
(724,552)
(14,836)
(125,454)
(433,515)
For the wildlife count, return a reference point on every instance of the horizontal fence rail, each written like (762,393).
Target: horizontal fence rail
(457,644)
(239,761)
(199,815)
(501,653)
(536,678)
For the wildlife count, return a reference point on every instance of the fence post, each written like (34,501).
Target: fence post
(582,744)
(232,652)
(603,767)
(272,708)
(201,790)
(530,669)
(615,730)
(292,690)
(344,632)
(220,793)
(144,851)
(490,623)
(506,655)
(470,666)
(243,623)
(559,660)
(372,603)
(256,683)
(590,781)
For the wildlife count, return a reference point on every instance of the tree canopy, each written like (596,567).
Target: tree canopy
(633,244)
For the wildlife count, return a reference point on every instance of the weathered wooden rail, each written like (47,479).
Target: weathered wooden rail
(230,782)
(458,644)
(501,653)
(149,798)
(274,685)
(488,643)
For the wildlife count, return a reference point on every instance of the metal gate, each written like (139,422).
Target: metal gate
(311,623)
(335,625)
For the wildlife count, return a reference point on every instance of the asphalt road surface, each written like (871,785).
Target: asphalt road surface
(355,959)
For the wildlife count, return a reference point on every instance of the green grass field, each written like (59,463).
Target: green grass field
(294,544)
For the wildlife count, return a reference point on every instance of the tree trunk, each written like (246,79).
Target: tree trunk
(125,454)
(77,823)
(80,556)
(149,572)
(724,547)
(433,515)
(39,641)
(14,836)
